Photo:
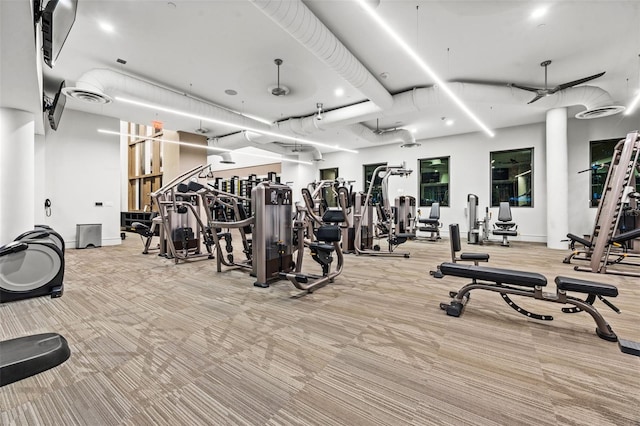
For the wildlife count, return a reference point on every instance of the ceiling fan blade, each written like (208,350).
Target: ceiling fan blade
(530,89)
(538,96)
(576,82)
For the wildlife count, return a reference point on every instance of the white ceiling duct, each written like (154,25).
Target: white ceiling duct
(100,85)
(597,102)
(316,155)
(297,20)
(404,136)
(593,98)
(226,158)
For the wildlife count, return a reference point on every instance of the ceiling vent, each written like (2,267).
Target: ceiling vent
(600,112)
(89,96)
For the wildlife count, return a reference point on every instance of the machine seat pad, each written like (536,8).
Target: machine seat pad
(508,232)
(580,240)
(327,248)
(505,224)
(589,287)
(483,257)
(404,236)
(138,226)
(626,236)
(429,220)
(503,276)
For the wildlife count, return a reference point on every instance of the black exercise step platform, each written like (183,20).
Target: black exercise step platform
(502,276)
(29,355)
(629,347)
(589,287)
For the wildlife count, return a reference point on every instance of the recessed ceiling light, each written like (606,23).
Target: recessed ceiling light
(339,92)
(414,130)
(449,122)
(230,92)
(539,12)
(106,27)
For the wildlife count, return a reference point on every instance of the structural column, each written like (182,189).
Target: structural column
(557,179)
(17,177)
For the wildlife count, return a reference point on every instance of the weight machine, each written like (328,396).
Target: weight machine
(390,222)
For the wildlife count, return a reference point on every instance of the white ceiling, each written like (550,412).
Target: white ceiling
(202,48)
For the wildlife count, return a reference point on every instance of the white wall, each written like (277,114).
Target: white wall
(82,167)
(39,190)
(469,173)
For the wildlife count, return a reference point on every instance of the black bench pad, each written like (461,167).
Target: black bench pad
(508,232)
(474,256)
(503,276)
(580,240)
(322,247)
(589,287)
(626,236)
(429,221)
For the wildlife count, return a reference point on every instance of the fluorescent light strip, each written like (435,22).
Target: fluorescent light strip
(632,106)
(409,51)
(224,123)
(193,145)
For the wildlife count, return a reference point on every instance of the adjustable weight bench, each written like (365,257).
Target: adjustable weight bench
(529,284)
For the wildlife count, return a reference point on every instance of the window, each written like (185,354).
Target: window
(512,177)
(376,191)
(434,181)
(601,153)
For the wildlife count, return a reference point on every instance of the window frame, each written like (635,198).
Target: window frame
(421,194)
(513,200)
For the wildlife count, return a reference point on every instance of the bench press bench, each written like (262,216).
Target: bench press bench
(529,284)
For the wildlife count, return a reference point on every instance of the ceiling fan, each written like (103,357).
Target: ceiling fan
(540,93)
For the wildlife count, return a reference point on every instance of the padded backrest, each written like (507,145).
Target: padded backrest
(434,213)
(329,233)
(345,193)
(333,216)
(243,215)
(182,188)
(382,215)
(454,237)
(194,186)
(308,199)
(504,213)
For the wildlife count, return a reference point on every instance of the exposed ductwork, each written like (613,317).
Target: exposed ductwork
(100,85)
(597,102)
(297,20)
(403,136)
(226,158)
(106,83)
